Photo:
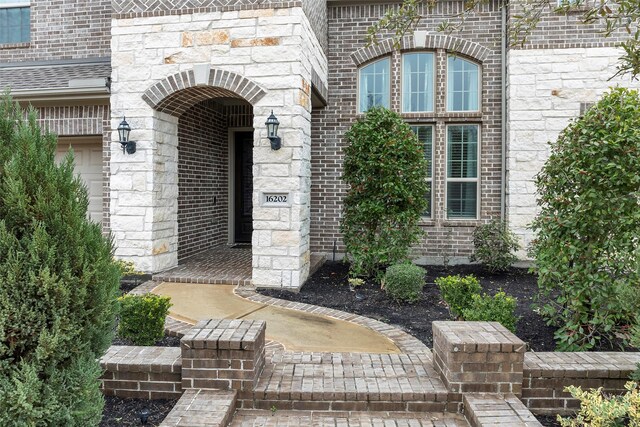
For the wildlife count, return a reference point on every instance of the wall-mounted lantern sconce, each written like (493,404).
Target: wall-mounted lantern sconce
(272,132)
(123,133)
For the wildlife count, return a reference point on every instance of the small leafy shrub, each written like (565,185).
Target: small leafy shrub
(142,318)
(355,282)
(404,282)
(598,409)
(586,250)
(499,308)
(458,292)
(386,171)
(127,268)
(494,246)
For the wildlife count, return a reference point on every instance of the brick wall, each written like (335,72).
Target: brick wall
(64,29)
(142,372)
(203,170)
(560,31)
(347,30)
(547,374)
(316,11)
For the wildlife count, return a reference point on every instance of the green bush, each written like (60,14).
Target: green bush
(58,283)
(586,251)
(404,282)
(142,318)
(598,409)
(386,170)
(458,292)
(494,246)
(499,308)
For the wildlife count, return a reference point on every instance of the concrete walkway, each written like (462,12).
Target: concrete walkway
(295,330)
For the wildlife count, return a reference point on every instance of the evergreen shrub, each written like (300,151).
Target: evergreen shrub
(587,250)
(498,308)
(404,282)
(494,246)
(386,171)
(458,292)
(142,318)
(58,284)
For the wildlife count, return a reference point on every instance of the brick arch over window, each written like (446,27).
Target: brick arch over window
(432,41)
(177,93)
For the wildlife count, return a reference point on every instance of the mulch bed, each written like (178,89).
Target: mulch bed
(328,287)
(126,412)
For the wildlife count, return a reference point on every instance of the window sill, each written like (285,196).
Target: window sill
(430,222)
(15,45)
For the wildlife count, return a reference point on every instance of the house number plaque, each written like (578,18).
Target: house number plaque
(275,199)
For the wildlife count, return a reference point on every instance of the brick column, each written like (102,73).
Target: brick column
(478,357)
(223,354)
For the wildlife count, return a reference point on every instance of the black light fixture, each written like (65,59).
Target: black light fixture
(272,132)
(144,416)
(123,133)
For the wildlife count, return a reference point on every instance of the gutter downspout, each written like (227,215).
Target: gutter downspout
(503,124)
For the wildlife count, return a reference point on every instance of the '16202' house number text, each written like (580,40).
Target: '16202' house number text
(275,198)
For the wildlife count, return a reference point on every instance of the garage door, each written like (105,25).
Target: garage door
(88,163)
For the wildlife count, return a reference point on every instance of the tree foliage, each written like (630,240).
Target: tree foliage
(58,283)
(612,15)
(588,228)
(386,171)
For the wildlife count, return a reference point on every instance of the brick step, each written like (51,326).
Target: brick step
(210,408)
(349,382)
(250,418)
(492,409)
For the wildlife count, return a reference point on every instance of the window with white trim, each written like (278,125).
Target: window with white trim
(425,136)
(462,171)
(15,21)
(463,85)
(417,82)
(374,88)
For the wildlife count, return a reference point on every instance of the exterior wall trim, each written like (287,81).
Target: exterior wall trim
(431,41)
(160,92)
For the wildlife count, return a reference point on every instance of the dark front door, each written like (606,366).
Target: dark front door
(243,186)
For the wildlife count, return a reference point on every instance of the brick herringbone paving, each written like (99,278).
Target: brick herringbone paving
(220,265)
(262,418)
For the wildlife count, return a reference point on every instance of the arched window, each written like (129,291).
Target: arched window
(417,82)
(374,89)
(463,85)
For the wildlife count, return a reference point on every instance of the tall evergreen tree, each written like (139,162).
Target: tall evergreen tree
(58,283)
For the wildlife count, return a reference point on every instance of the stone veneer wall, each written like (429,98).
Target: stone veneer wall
(203,171)
(347,30)
(273,49)
(546,90)
(64,29)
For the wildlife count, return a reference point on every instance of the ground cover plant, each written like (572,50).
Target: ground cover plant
(586,251)
(59,283)
(386,170)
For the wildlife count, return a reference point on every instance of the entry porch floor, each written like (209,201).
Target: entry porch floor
(221,265)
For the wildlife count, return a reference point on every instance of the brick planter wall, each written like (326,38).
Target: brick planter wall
(473,357)
(547,374)
(223,354)
(142,372)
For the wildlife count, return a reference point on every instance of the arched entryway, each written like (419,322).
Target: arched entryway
(215,184)
(204,129)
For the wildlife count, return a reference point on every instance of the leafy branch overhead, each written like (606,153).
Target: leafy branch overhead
(614,17)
